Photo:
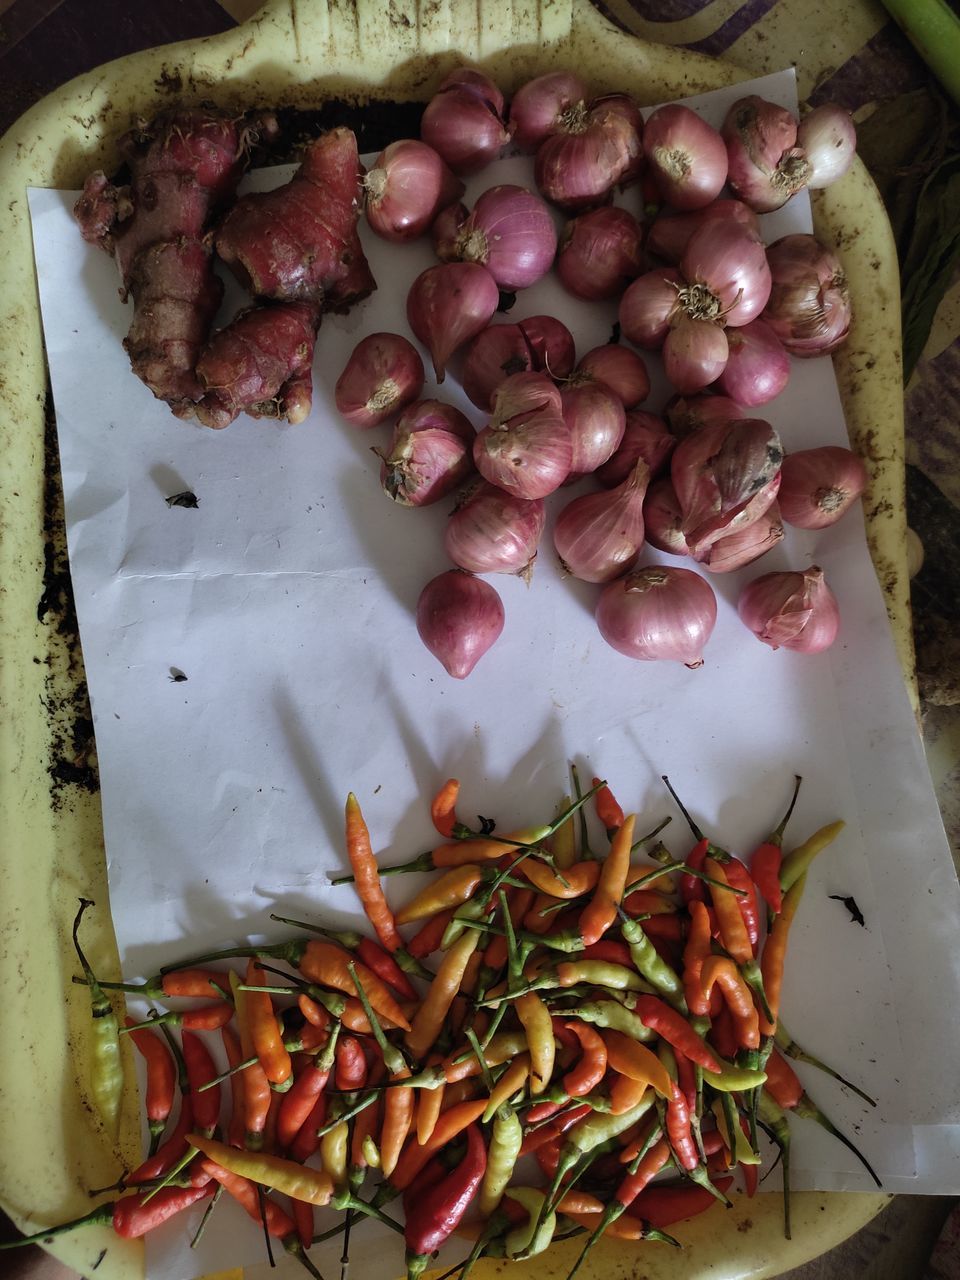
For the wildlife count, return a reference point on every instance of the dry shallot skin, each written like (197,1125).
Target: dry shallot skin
(670,233)
(601,252)
(448,305)
(511,233)
(526,449)
(599,147)
(464,123)
(663,519)
(619,368)
(459,617)
(809,306)
(645,436)
(791,610)
(599,535)
(596,419)
(765,165)
(757,368)
(746,545)
(819,486)
(382,376)
(538,107)
(429,456)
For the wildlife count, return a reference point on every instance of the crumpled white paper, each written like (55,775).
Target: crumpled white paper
(287,599)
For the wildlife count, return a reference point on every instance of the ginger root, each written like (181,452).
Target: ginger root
(300,241)
(260,364)
(184,167)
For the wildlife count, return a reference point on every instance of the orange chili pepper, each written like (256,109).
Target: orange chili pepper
(427,940)
(647,902)
(428,1019)
(774,952)
(783,1084)
(519,902)
(398,1108)
(591,1068)
(451,1123)
(512,1080)
(601,911)
(577,880)
(722,971)
(279,1223)
(314,1013)
(429,1107)
(264,1028)
(443,808)
(234,1054)
(485,849)
(326,964)
(195,983)
(695,951)
(307,1140)
(502,1047)
(253,1080)
(608,811)
(733,931)
(633,1059)
(367,877)
(161,1080)
(351,1065)
(453,889)
(625,1093)
(298,1102)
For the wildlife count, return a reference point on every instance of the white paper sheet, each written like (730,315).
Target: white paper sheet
(287,599)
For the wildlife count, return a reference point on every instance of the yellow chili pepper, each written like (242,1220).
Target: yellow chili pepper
(573,882)
(505,1139)
(798,860)
(334,1146)
(451,890)
(287,1176)
(741,1152)
(535,1018)
(529,1238)
(512,1080)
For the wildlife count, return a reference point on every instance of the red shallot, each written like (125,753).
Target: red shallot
(647,307)
(538,344)
(511,233)
(663,518)
(694,353)
(687,413)
(551,343)
(670,233)
(599,535)
(658,612)
(746,545)
(829,141)
(526,449)
(493,532)
(429,456)
(538,107)
(686,156)
(621,369)
(595,417)
(458,618)
(809,306)
(382,376)
(766,166)
(445,231)
(757,368)
(595,149)
(447,305)
(725,477)
(600,253)
(645,436)
(791,610)
(818,486)
(726,273)
(406,187)
(463,121)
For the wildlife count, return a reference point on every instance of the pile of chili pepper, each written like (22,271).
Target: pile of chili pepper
(613,1014)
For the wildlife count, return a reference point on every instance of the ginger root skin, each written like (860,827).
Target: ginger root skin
(260,364)
(300,241)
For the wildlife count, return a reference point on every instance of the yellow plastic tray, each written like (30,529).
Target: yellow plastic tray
(299,52)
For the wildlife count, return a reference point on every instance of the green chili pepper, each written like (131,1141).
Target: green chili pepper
(778,1126)
(505,1139)
(650,964)
(734,1079)
(529,1238)
(106,1078)
(611,1014)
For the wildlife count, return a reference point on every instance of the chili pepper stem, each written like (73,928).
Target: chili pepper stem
(697,833)
(808,1110)
(585,851)
(610,1215)
(776,835)
(788,1046)
(198,1234)
(345,1255)
(296,1250)
(101,1216)
(369,1208)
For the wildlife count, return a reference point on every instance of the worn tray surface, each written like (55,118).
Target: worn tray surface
(297,54)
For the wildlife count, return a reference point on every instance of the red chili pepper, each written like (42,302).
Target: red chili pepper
(692,889)
(161,1080)
(607,949)
(169,1152)
(608,811)
(647,1170)
(738,877)
(306,1142)
(663,1206)
(548,1158)
(443,808)
(590,1070)
(299,1101)
(231,1047)
(351,1068)
(675,1029)
(687,1079)
(132,1218)
(783,1084)
(427,939)
(385,967)
(303,1216)
(543,1111)
(201,1069)
(723,1032)
(436,1213)
(550,1132)
(666,928)
(679,1132)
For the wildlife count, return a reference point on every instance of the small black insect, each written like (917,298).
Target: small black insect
(507,300)
(614,333)
(177,676)
(851,904)
(487,825)
(186,499)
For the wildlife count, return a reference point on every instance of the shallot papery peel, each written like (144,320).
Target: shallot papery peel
(493,532)
(458,618)
(447,305)
(645,436)
(809,305)
(725,477)
(599,535)
(596,148)
(745,545)
(765,165)
(383,375)
(663,519)
(300,240)
(757,368)
(820,485)
(658,612)
(791,610)
(688,413)
(430,455)
(538,344)
(726,273)
(829,141)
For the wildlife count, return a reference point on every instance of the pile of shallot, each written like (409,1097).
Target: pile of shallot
(707,479)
